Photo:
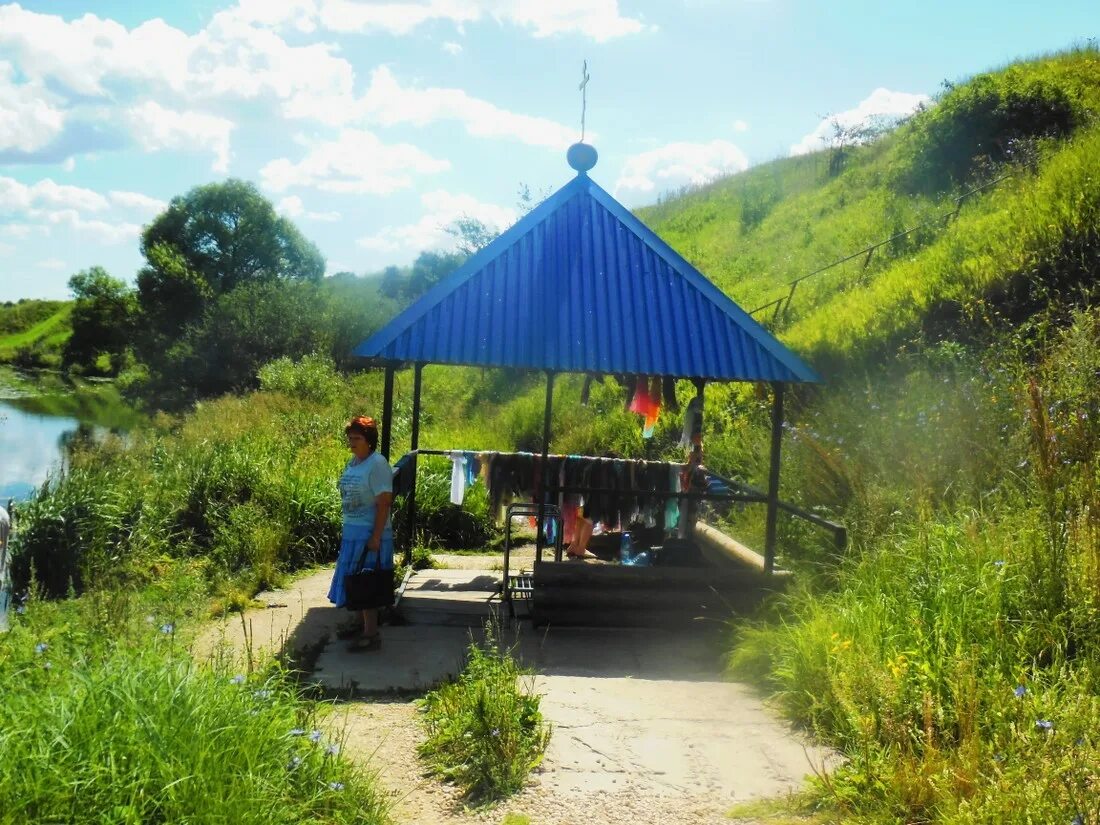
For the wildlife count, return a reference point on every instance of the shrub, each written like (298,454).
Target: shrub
(990,120)
(312,378)
(485,731)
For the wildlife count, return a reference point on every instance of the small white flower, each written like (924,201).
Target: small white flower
(238,679)
(41,648)
(296,732)
(336,786)
(315,736)
(332,750)
(262,694)
(150,619)
(47,665)
(167,628)
(295,761)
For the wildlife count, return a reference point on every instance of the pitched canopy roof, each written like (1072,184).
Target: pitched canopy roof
(581,285)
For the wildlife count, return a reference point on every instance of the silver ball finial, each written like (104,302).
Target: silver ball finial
(581,157)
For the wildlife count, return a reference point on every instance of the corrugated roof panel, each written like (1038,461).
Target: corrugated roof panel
(581,285)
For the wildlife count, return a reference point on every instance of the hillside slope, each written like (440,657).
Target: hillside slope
(34,329)
(1026,137)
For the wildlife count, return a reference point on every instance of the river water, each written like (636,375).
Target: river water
(34,429)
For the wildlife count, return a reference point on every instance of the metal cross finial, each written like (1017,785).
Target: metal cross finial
(584,95)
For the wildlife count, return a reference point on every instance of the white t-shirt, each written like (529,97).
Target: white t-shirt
(360,484)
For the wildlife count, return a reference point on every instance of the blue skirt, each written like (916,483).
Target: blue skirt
(352,543)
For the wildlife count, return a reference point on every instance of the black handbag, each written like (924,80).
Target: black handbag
(368,589)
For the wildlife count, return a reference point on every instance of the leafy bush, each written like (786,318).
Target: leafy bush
(313,378)
(987,120)
(485,731)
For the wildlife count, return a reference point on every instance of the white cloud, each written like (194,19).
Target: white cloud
(441,209)
(298,14)
(47,204)
(599,20)
(677,164)
(103,231)
(357,162)
(18,230)
(452,48)
(387,103)
(740,126)
(230,58)
(19,198)
(881,107)
(51,263)
(136,201)
(155,128)
(6,248)
(27,120)
(292,207)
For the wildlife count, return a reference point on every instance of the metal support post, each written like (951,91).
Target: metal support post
(773,479)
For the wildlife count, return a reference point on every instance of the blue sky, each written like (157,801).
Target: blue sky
(372,125)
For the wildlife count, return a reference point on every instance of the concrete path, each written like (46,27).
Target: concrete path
(643,721)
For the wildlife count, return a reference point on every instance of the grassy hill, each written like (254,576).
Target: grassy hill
(1034,122)
(33,333)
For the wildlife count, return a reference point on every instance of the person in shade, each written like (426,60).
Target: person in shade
(366,493)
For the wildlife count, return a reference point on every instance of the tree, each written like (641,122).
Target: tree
(238,333)
(230,235)
(208,245)
(102,319)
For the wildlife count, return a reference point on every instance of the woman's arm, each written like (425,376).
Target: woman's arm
(382,504)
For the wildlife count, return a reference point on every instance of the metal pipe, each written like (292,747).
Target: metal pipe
(773,479)
(540,528)
(414,442)
(387,412)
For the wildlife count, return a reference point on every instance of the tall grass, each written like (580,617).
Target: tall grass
(106,717)
(955,660)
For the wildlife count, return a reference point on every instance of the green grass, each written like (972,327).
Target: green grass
(485,731)
(28,325)
(966,616)
(107,718)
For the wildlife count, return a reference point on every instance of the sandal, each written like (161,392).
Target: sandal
(366,644)
(349,630)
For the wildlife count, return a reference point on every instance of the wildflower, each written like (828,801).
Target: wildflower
(315,736)
(495,732)
(998,757)
(336,786)
(296,732)
(238,679)
(21,609)
(47,665)
(167,628)
(41,648)
(1077,820)
(1020,691)
(999,563)
(262,694)
(295,761)
(332,750)
(1044,724)
(150,619)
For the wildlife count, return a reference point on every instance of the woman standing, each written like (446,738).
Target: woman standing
(366,493)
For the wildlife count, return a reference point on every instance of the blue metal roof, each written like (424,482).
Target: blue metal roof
(581,285)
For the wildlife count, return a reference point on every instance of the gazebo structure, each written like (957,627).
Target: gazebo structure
(580,285)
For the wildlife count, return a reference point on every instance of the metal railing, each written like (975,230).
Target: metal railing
(780,307)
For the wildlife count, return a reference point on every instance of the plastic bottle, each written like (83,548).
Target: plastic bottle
(626,549)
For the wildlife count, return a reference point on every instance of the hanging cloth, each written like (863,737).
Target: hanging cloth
(458,477)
